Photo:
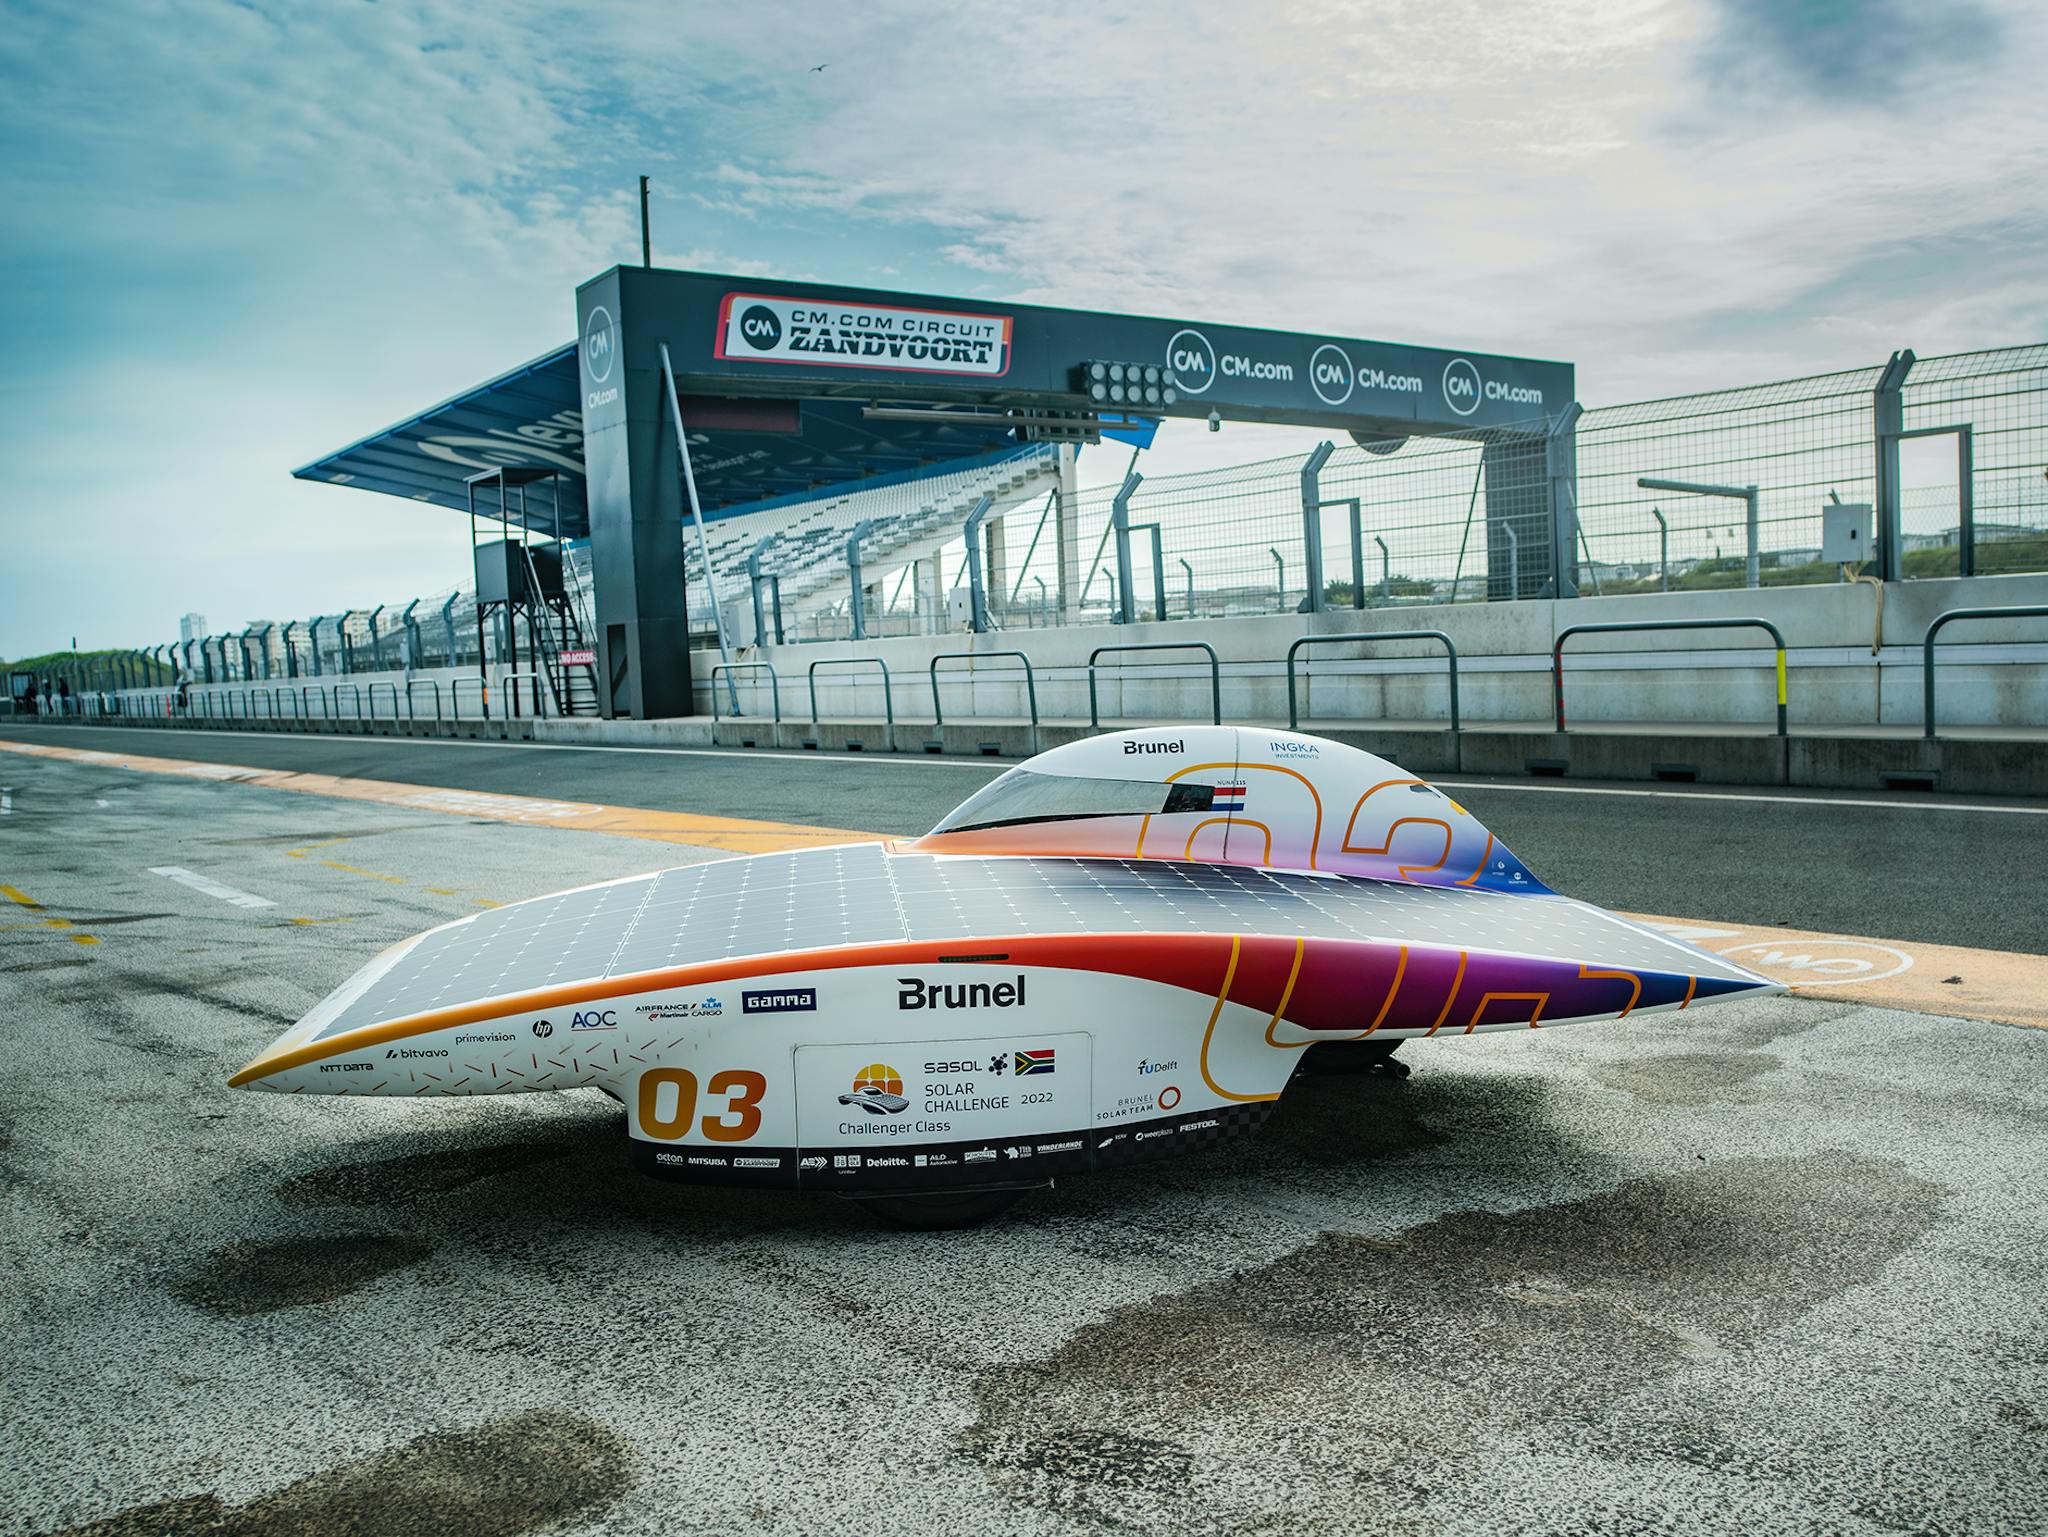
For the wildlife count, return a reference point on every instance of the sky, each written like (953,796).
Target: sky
(234,237)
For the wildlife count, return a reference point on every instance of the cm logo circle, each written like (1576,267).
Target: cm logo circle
(1331,373)
(1192,360)
(761,328)
(599,347)
(1462,389)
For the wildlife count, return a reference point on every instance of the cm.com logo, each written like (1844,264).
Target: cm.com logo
(598,345)
(761,327)
(1462,389)
(1192,360)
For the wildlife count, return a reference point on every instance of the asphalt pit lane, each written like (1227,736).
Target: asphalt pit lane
(1360,1374)
(382,1181)
(264,1278)
(1686,1078)
(544,1468)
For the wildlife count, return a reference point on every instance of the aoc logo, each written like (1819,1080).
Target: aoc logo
(760,328)
(599,345)
(1178,745)
(1192,360)
(594,1019)
(790,1000)
(1462,389)
(915,993)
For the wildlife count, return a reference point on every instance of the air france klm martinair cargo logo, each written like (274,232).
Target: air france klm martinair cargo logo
(761,328)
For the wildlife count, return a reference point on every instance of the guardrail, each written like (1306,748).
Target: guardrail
(774,685)
(392,689)
(412,683)
(1215,673)
(888,704)
(540,704)
(483,689)
(2012,611)
(1618,627)
(1450,650)
(1030,684)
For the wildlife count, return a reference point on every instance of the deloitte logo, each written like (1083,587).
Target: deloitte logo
(1462,389)
(761,328)
(1331,373)
(1192,360)
(598,349)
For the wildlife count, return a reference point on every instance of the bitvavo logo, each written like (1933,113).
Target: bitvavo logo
(1192,360)
(1462,389)
(598,348)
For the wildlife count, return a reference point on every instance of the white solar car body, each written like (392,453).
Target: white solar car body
(1120,948)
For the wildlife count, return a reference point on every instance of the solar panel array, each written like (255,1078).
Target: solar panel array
(861,894)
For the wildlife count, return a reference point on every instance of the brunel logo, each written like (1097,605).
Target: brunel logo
(1178,745)
(598,345)
(915,993)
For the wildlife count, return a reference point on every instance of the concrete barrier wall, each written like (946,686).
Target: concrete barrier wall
(1992,673)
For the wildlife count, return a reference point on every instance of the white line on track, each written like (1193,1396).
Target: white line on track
(987,766)
(7,801)
(210,886)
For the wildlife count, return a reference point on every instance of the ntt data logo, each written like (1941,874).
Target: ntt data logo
(598,345)
(1192,360)
(1462,389)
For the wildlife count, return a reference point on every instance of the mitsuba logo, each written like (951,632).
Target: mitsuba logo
(594,1019)
(916,993)
(1174,746)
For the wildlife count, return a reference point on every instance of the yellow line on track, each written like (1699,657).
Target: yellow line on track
(1947,980)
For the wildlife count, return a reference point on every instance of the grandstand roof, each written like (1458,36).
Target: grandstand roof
(758,451)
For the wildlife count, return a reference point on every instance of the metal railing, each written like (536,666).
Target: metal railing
(511,680)
(1030,684)
(888,704)
(392,690)
(1557,649)
(774,685)
(2014,611)
(1450,650)
(483,689)
(1215,673)
(412,713)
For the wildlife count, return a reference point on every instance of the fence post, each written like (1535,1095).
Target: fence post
(1561,466)
(857,604)
(1312,523)
(1888,419)
(1120,521)
(977,592)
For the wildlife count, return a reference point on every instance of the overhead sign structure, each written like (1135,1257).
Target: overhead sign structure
(765,328)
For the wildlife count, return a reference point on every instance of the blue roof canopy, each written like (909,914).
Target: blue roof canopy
(743,452)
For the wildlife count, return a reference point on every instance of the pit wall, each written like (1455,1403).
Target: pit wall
(1992,673)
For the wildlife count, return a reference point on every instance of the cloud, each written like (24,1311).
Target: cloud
(236,242)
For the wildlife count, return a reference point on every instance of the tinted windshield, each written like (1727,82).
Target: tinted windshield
(1020,797)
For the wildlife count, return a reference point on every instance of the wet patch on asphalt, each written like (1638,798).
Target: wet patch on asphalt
(504,1478)
(412,1175)
(1687,1078)
(265,1277)
(1364,1368)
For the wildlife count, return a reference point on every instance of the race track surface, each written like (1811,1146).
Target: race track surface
(1770,1267)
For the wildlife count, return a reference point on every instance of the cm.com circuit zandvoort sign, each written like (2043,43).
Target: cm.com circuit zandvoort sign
(738,336)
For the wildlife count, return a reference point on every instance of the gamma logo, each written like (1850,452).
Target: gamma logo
(1462,389)
(598,345)
(1192,360)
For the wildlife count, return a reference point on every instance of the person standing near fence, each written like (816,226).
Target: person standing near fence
(63,696)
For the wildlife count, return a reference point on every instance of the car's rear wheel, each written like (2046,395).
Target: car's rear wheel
(940,1210)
